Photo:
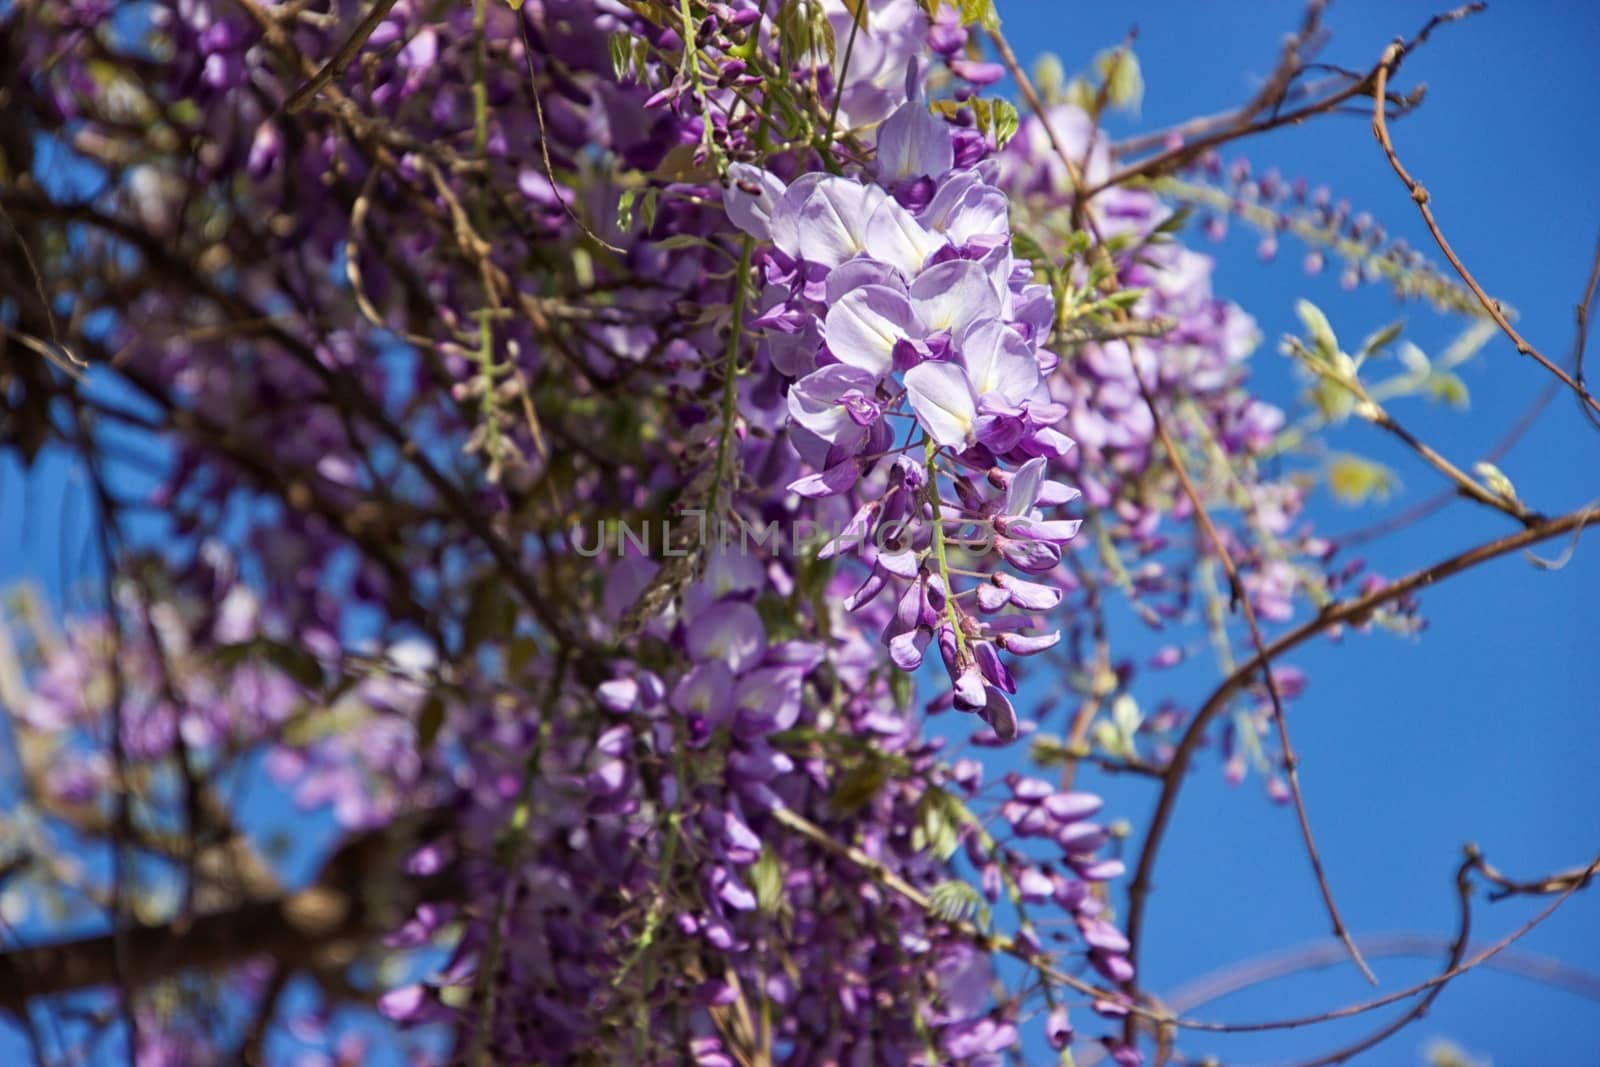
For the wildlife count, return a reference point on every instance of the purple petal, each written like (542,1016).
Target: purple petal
(1001,716)
(998,361)
(913,143)
(1028,644)
(906,649)
(751,197)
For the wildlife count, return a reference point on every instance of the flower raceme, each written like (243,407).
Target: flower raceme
(901,298)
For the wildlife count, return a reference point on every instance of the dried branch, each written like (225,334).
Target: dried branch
(1392,57)
(1223,983)
(1240,597)
(342,58)
(1336,613)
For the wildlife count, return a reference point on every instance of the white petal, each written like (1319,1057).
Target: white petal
(998,361)
(942,398)
(953,294)
(893,236)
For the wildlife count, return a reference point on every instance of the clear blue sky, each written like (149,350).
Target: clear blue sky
(1485,729)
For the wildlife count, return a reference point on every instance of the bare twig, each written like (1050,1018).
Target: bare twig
(1247,125)
(342,58)
(1229,980)
(1241,598)
(1581,341)
(1458,949)
(1392,57)
(1333,614)
(1440,500)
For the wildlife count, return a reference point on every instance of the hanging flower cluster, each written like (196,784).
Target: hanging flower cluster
(901,297)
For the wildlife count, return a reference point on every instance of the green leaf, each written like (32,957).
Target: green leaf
(1006,122)
(1415,361)
(625,208)
(766,881)
(1119,69)
(1378,340)
(1445,386)
(1125,715)
(903,688)
(1049,75)
(1049,750)
(822,30)
(1026,247)
(859,786)
(983,112)
(980,12)
(937,827)
(1467,344)
(1495,479)
(954,900)
(1316,324)
(1177,220)
(1333,401)
(1355,480)
(794,33)
(621,48)
(681,240)
(515,5)
(648,211)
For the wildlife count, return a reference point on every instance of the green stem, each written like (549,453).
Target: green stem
(838,89)
(931,449)
(480,77)
(730,372)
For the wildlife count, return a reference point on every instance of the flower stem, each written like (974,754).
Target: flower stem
(730,372)
(931,449)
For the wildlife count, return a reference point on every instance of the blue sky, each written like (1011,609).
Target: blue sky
(1485,728)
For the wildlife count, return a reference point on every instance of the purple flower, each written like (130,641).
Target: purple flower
(750,199)
(912,143)
(834,403)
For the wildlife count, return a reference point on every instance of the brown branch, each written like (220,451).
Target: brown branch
(1247,125)
(1437,981)
(1581,342)
(341,388)
(1559,882)
(1445,497)
(1458,949)
(341,59)
(1241,597)
(353,900)
(1419,195)
(1230,980)
(1352,610)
